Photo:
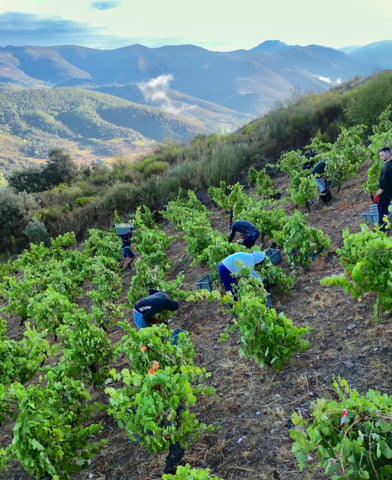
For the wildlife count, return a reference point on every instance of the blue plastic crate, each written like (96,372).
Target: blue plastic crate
(274,255)
(268,302)
(123,228)
(205,283)
(370,217)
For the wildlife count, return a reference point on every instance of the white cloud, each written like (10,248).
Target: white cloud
(156,91)
(328,80)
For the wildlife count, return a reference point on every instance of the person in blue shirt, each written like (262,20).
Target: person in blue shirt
(233,264)
(247,229)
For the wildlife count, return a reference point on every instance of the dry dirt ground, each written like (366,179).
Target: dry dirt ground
(253,406)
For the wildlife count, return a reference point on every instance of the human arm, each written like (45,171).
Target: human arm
(232,234)
(156,303)
(255,274)
(385,183)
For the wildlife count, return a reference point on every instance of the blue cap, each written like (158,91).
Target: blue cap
(258,257)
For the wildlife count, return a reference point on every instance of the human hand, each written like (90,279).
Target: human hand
(376,198)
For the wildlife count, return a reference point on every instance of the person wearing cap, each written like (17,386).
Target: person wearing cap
(247,229)
(233,264)
(146,308)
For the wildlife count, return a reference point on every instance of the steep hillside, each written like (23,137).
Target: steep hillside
(253,406)
(37,120)
(214,117)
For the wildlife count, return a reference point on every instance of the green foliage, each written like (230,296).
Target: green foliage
(230,198)
(302,189)
(49,433)
(152,344)
(151,166)
(143,279)
(276,277)
(20,360)
(269,338)
(48,309)
(380,138)
(80,201)
(151,241)
(28,180)
(100,243)
(227,162)
(291,162)
(59,169)
(36,232)
(52,278)
(344,156)
(262,181)
(87,352)
(153,404)
(366,257)
(188,473)
(294,124)
(302,186)
(266,220)
(15,212)
(204,244)
(300,241)
(361,448)
(364,104)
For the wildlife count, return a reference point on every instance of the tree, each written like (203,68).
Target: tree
(59,169)
(28,180)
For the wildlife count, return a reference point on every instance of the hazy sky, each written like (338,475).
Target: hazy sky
(214,24)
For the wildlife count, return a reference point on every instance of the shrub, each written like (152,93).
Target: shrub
(351,436)
(15,211)
(188,473)
(366,257)
(36,232)
(364,104)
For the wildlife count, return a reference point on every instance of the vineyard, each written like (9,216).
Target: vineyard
(247,391)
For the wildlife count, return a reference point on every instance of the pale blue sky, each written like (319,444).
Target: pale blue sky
(213,24)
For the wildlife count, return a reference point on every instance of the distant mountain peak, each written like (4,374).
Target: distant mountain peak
(271,46)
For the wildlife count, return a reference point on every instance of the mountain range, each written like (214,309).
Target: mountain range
(247,81)
(188,89)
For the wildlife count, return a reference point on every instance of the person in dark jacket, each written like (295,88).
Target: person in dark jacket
(247,229)
(146,309)
(127,255)
(318,171)
(383,195)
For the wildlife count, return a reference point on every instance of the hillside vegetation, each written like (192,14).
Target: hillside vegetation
(91,124)
(92,194)
(249,392)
